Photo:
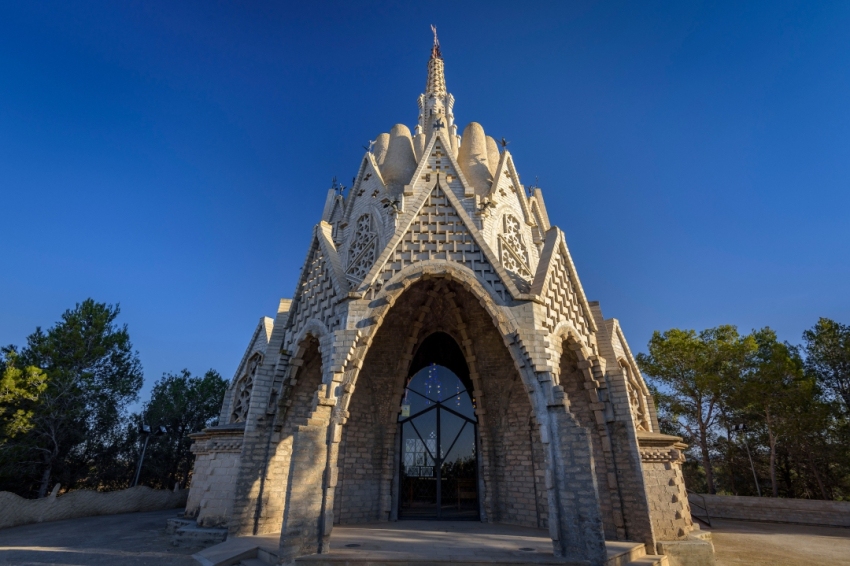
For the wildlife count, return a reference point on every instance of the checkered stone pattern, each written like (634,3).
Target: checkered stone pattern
(439,233)
(316,294)
(561,300)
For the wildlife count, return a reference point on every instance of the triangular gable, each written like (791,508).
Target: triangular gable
(368,179)
(432,164)
(330,203)
(615,331)
(557,285)
(318,288)
(258,343)
(437,227)
(639,398)
(507,179)
(324,232)
(542,216)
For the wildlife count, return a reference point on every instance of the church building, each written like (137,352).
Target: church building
(439,359)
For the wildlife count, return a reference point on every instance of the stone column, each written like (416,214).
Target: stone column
(577,533)
(303,530)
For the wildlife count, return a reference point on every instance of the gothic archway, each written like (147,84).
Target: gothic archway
(368,486)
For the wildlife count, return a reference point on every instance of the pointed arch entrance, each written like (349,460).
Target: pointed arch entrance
(438,460)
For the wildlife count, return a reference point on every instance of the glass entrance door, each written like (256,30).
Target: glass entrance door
(439,472)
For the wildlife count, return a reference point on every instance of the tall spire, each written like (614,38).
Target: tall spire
(436,84)
(435,104)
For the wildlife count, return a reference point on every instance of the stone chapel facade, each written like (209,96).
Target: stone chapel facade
(439,260)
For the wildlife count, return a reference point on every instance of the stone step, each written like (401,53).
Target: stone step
(650,560)
(176,523)
(187,533)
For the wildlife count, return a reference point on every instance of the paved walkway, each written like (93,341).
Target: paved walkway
(424,542)
(446,541)
(134,539)
(773,544)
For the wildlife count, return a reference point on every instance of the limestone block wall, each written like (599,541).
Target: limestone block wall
(217,459)
(779,510)
(19,511)
(669,509)
(213,484)
(361,461)
(511,464)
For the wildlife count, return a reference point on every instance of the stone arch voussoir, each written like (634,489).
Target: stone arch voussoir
(394,289)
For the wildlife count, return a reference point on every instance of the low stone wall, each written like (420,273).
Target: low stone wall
(15,510)
(774,510)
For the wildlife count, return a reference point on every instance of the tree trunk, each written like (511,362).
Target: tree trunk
(706,461)
(772,441)
(814,468)
(729,465)
(45,481)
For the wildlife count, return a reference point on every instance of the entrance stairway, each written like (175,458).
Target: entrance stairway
(418,543)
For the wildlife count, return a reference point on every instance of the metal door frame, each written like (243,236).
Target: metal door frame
(438,461)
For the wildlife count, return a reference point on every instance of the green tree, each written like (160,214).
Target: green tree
(20,388)
(92,374)
(827,350)
(693,374)
(774,385)
(184,404)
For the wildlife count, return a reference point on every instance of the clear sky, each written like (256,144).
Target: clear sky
(173,156)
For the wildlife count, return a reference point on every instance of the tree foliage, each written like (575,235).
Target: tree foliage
(827,348)
(92,373)
(789,398)
(695,373)
(184,404)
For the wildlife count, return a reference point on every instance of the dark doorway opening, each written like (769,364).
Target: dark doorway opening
(439,453)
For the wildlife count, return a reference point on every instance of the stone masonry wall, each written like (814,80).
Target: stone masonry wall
(361,461)
(213,485)
(774,510)
(665,489)
(514,479)
(367,449)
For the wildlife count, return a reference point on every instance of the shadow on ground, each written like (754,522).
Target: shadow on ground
(133,539)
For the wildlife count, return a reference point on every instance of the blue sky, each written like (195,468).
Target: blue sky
(173,156)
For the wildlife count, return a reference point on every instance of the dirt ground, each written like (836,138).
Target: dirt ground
(138,539)
(773,544)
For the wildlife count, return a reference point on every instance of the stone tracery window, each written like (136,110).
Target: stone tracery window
(514,253)
(242,396)
(637,402)
(363,248)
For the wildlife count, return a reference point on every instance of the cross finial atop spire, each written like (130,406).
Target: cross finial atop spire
(435,51)
(435,104)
